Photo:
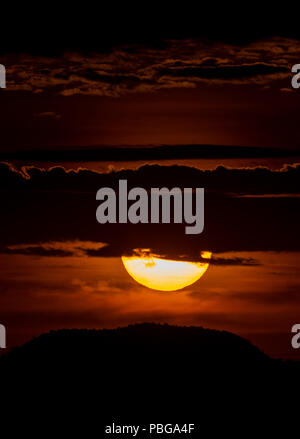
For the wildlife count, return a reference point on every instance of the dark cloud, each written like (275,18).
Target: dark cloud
(55,248)
(230,181)
(228,72)
(64,249)
(56,205)
(234,261)
(137,68)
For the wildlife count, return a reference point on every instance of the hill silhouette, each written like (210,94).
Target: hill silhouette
(149,370)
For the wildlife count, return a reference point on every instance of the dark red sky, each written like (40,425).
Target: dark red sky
(189,91)
(243,116)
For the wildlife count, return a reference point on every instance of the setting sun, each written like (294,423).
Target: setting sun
(164,274)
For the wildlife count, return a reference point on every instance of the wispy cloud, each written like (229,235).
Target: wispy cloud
(134,69)
(55,248)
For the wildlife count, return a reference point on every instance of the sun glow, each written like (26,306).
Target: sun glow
(165,274)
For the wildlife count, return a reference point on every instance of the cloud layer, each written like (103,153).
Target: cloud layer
(134,68)
(57,205)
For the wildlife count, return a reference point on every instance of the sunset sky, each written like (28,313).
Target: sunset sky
(186,92)
(68,97)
